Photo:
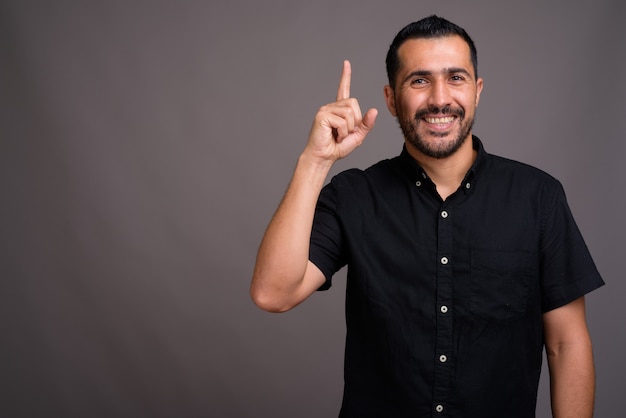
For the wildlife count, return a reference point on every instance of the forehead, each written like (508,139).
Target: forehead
(435,54)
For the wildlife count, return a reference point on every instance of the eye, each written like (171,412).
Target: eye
(418,81)
(457,78)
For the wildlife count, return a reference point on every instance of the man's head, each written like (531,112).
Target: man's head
(433,88)
(427,28)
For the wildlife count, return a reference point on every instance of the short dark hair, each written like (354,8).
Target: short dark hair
(427,28)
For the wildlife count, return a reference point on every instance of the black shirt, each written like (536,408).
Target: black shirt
(444,299)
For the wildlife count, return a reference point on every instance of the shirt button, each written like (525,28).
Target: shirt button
(418,183)
(444,309)
(468,185)
(444,214)
(439,408)
(443,358)
(444,260)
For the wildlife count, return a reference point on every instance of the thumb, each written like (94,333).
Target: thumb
(357,136)
(368,121)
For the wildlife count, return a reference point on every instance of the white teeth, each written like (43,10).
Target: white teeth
(440,120)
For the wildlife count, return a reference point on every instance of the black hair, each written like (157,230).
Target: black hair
(430,27)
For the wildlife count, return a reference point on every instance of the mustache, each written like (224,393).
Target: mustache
(446,110)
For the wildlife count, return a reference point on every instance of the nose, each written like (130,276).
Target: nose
(440,94)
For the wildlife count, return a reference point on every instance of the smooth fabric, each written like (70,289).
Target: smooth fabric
(445,299)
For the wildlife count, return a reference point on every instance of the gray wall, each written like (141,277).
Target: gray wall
(144,145)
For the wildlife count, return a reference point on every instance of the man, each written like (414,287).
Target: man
(461,264)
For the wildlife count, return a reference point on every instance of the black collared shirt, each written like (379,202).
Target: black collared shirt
(444,299)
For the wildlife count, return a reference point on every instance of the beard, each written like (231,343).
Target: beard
(439,148)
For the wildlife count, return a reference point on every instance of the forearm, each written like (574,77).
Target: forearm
(283,275)
(284,251)
(572,380)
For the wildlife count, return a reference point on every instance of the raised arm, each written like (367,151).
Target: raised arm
(283,275)
(570,360)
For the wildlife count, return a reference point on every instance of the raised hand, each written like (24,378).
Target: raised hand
(339,127)
(283,275)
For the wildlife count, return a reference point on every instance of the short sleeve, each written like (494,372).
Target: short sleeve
(326,247)
(567,269)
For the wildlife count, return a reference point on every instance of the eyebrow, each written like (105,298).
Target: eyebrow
(423,73)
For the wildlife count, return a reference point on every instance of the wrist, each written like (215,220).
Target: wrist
(313,169)
(315,164)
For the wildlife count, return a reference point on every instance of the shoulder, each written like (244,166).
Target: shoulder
(363,186)
(505,169)
(507,165)
(531,184)
(383,172)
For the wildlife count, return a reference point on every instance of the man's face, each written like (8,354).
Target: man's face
(436,94)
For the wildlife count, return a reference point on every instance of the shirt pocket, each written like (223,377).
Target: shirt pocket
(499,284)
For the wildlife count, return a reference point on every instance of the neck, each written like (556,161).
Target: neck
(447,173)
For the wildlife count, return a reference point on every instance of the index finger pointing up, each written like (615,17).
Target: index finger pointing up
(344,84)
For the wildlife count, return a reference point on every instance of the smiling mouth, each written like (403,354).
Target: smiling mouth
(440,121)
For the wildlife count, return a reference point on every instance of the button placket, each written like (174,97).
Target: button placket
(443,369)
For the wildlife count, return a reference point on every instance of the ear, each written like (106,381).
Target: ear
(390,99)
(479,89)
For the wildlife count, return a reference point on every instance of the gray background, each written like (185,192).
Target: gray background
(144,146)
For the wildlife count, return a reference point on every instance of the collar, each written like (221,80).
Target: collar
(418,175)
